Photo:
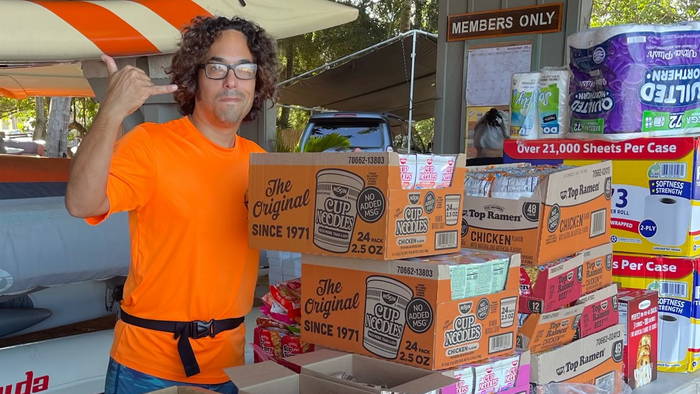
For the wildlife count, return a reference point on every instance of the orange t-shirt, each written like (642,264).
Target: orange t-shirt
(190,258)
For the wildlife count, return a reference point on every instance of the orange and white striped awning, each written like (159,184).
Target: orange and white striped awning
(70,30)
(65,79)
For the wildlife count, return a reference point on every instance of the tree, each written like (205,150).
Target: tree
(41,120)
(616,12)
(57,131)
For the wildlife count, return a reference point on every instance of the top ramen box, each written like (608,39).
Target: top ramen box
(568,211)
(351,205)
(595,359)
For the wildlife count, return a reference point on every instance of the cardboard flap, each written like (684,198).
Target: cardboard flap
(249,375)
(425,384)
(564,187)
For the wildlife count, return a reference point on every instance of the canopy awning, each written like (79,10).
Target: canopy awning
(65,30)
(56,80)
(376,79)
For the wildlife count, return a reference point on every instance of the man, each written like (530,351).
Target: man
(192,275)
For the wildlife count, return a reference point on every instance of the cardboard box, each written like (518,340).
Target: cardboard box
(502,375)
(551,287)
(596,360)
(569,211)
(600,311)
(349,204)
(676,280)
(656,203)
(403,311)
(540,332)
(592,313)
(320,370)
(639,317)
(597,268)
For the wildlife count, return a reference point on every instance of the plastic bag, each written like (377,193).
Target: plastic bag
(616,385)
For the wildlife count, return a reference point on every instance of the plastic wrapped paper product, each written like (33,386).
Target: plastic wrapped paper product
(634,80)
(523,106)
(553,103)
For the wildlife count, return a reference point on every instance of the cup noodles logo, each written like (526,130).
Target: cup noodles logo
(413,222)
(465,329)
(488,382)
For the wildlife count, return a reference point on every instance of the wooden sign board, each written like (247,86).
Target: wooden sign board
(512,21)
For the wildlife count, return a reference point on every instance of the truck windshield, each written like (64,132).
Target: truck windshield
(363,136)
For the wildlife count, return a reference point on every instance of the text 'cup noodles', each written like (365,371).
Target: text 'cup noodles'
(385,315)
(336,208)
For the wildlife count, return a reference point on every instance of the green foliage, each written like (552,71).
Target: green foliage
(21,110)
(326,142)
(616,12)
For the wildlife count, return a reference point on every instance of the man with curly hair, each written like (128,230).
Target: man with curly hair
(192,274)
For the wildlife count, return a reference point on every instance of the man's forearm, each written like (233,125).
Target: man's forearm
(86,192)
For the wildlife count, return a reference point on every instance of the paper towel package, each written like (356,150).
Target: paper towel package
(523,106)
(675,279)
(568,210)
(639,316)
(636,79)
(552,102)
(656,184)
(596,359)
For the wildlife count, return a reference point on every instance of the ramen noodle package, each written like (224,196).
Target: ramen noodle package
(407,165)
(552,286)
(427,172)
(445,166)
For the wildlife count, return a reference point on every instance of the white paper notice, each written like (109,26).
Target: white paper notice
(489,73)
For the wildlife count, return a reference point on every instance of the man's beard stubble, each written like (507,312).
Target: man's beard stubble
(232,113)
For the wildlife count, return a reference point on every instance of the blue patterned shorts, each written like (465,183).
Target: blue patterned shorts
(124,380)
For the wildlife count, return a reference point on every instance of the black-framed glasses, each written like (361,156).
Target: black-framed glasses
(243,71)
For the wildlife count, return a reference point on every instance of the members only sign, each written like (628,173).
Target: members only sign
(512,21)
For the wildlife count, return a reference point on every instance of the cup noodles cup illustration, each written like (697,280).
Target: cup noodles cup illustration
(336,209)
(385,315)
(407,168)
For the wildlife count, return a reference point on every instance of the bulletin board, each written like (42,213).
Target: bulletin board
(490,68)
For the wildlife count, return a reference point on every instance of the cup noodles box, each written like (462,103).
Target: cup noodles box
(656,183)
(503,374)
(349,204)
(676,280)
(552,286)
(403,311)
(639,317)
(543,214)
(596,359)
(597,268)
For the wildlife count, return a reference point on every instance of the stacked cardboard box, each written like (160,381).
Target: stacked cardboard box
(655,222)
(383,273)
(558,218)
